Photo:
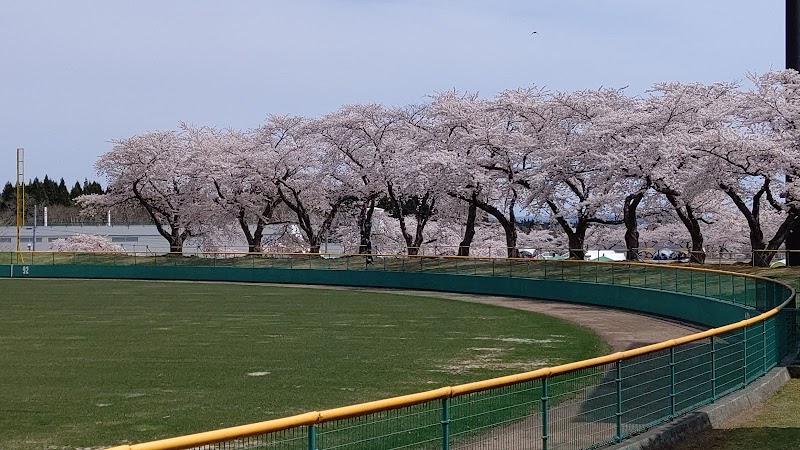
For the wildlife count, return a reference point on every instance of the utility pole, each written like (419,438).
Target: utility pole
(35,219)
(792,62)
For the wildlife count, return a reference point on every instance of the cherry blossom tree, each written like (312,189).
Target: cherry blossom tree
(577,191)
(493,155)
(152,170)
(621,153)
(85,243)
(672,125)
(411,170)
(708,157)
(756,155)
(744,169)
(311,181)
(238,169)
(361,136)
(452,116)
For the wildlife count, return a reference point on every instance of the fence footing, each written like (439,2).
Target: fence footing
(709,416)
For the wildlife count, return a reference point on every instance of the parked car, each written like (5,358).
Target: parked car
(666,254)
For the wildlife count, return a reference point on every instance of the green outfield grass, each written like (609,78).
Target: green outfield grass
(92,363)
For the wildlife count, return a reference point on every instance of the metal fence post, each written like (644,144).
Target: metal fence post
(771,303)
(312,437)
(660,279)
(492,266)
(618,413)
(705,284)
(445,424)
(764,346)
(691,282)
(672,383)
(744,356)
(713,369)
(745,292)
(545,427)
(645,276)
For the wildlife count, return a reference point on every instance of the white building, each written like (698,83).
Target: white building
(136,238)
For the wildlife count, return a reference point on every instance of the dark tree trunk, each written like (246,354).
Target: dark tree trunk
(760,257)
(632,225)
(784,231)
(365,228)
(176,240)
(253,238)
(511,239)
(304,219)
(698,253)
(469,230)
(763,252)
(509,226)
(686,213)
(422,214)
(254,246)
(160,217)
(509,223)
(576,238)
(314,245)
(398,205)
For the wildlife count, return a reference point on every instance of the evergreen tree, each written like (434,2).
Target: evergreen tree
(34,192)
(76,191)
(8,197)
(92,188)
(63,194)
(49,188)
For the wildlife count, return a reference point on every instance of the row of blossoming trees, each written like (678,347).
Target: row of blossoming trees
(700,164)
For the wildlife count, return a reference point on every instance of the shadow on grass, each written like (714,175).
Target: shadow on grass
(762,438)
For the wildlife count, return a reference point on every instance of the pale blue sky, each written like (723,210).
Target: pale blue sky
(75,74)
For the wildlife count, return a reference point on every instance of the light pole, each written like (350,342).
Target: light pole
(792,62)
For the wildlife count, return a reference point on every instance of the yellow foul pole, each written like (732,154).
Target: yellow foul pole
(20,190)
